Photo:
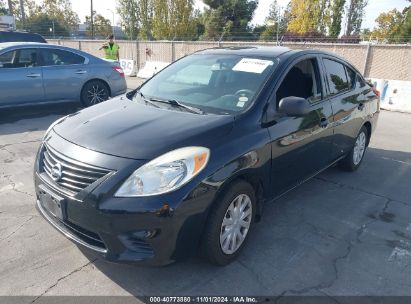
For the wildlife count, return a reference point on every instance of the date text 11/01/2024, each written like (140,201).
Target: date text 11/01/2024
(205,299)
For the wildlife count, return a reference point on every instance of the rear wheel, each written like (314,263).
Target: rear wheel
(94,92)
(354,159)
(229,224)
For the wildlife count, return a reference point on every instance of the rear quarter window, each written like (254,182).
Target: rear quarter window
(336,76)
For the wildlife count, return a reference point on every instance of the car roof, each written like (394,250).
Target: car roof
(264,51)
(4,45)
(253,51)
(16,36)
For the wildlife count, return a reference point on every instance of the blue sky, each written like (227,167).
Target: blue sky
(374,8)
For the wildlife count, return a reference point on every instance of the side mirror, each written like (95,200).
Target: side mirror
(294,106)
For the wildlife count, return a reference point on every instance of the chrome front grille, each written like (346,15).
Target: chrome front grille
(72,175)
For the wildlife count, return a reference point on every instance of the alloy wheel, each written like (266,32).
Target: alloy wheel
(96,94)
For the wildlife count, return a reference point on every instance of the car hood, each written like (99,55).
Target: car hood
(128,129)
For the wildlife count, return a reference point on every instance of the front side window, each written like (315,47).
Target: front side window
(336,76)
(59,57)
(219,84)
(19,59)
(302,81)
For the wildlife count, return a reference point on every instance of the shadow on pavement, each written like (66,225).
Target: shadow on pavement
(33,118)
(334,234)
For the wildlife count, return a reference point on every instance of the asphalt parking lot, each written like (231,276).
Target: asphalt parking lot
(338,234)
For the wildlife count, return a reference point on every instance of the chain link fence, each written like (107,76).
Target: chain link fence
(375,61)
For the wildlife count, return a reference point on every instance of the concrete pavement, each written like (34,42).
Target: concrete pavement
(338,234)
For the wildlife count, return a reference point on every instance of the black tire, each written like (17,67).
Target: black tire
(348,163)
(94,92)
(211,249)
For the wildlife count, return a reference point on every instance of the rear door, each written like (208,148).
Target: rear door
(348,101)
(21,79)
(301,145)
(64,74)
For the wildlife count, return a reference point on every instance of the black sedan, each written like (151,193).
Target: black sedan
(185,163)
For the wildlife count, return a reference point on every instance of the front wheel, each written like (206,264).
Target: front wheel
(229,224)
(354,159)
(94,92)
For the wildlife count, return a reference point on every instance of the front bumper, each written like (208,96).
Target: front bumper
(152,230)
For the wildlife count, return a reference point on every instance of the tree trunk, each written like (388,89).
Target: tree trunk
(11,11)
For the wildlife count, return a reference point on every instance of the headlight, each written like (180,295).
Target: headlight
(165,173)
(52,126)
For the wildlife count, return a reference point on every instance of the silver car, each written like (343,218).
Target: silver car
(35,73)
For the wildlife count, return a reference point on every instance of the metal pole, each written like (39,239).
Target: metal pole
(91,20)
(23,15)
(54,33)
(366,61)
(278,23)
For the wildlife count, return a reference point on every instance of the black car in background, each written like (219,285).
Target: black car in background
(187,161)
(9,36)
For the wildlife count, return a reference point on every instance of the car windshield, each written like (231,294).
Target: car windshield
(218,84)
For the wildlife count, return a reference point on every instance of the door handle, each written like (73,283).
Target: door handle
(81,72)
(33,75)
(324,122)
(361,106)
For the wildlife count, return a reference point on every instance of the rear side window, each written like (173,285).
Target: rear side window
(59,57)
(336,76)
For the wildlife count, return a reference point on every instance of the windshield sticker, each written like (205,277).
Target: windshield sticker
(252,65)
(243,99)
(240,104)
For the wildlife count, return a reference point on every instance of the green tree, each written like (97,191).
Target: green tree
(336,14)
(145,12)
(102,26)
(3,9)
(393,26)
(306,16)
(43,25)
(272,22)
(60,11)
(128,11)
(404,32)
(30,8)
(229,19)
(174,20)
(355,15)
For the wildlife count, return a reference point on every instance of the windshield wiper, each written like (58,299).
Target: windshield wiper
(176,103)
(172,102)
(147,100)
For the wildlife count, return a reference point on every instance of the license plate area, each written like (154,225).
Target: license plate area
(52,203)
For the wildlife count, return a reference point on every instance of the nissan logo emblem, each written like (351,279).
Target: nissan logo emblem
(56,172)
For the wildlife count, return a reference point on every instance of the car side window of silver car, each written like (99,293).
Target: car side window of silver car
(22,58)
(52,57)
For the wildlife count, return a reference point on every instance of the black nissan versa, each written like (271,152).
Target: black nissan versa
(185,163)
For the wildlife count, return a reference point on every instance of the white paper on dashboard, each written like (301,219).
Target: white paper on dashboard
(252,65)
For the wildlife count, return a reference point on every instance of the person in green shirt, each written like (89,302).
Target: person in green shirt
(111,49)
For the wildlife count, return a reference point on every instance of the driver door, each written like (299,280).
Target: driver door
(301,146)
